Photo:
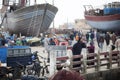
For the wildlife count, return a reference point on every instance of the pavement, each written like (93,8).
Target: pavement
(42,52)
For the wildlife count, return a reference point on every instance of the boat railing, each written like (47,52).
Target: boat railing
(89,10)
(97,62)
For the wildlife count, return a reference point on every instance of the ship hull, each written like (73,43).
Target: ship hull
(107,23)
(30,21)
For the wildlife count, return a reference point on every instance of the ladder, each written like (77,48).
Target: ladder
(33,22)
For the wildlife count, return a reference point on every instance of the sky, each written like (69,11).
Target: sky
(69,10)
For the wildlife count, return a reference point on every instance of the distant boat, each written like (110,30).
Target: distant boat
(107,19)
(30,20)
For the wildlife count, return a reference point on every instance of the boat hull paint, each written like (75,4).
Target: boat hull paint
(106,22)
(105,25)
(30,21)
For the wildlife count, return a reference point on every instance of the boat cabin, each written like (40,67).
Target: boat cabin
(112,8)
(109,9)
(112,5)
(15,4)
(89,10)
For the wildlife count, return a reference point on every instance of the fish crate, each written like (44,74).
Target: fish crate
(18,55)
(59,50)
(18,51)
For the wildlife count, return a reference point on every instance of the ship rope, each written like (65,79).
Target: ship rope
(31,28)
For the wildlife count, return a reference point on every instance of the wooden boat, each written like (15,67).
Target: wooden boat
(29,20)
(107,19)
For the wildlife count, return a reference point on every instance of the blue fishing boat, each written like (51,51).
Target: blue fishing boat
(107,19)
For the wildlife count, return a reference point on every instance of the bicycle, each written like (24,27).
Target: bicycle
(36,68)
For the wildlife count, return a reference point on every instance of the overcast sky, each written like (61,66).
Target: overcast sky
(69,10)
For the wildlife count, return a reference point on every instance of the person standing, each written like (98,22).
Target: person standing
(46,45)
(101,42)
(76,50)
(2,40)
(117,43)
(107,38)
(92,36)
(91,49)
(97,38)
(87,37)
(77,47)
(113,38)
(46,42)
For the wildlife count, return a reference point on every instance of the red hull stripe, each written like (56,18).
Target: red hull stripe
(103,18)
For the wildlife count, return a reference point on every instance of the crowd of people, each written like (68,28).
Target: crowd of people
(76,39)
(89,38)
(79,40)
(7,39)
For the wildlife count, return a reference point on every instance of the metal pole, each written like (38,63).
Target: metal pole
(52,62)
(35,2)
(53,19)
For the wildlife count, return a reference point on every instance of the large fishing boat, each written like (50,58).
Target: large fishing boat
(107,18)
(29,20)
